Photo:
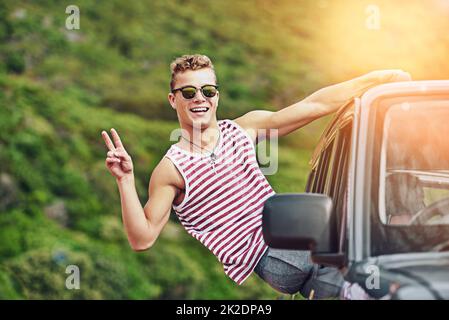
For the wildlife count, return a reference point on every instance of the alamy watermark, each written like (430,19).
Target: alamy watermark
(372,21)
(73,280)
(373,280)
(72,22)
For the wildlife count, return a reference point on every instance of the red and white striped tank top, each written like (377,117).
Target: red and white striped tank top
(222,208)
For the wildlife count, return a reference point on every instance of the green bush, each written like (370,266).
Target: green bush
(43,274)
(15,63)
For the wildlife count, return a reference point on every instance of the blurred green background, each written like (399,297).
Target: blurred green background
(59,88)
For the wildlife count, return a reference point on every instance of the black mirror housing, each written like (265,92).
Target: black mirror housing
(300,222)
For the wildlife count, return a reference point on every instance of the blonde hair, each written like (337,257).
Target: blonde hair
(189,62)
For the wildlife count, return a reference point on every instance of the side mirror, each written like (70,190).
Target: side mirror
(301,222)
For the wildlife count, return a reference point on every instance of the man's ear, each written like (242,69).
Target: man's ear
(171,99)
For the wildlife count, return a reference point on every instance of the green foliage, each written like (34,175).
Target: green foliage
(15,62)
(42,274)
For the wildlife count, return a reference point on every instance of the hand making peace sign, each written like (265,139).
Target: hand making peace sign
(118,161)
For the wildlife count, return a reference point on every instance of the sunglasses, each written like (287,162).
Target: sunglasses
(188,92)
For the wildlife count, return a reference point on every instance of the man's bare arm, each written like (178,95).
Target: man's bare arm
(142,225)
(321,103)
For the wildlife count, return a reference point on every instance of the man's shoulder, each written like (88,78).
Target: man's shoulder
(165,172)
(245,125)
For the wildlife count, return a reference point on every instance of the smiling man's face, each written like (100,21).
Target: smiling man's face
(200,111)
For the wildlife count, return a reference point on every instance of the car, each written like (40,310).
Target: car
(376,204)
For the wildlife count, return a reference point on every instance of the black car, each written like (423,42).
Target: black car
(377,197)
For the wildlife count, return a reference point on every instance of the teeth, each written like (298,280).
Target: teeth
(198,109)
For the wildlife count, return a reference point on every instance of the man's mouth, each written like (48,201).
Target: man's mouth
(199,110)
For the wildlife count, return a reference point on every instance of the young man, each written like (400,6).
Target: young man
(213,182)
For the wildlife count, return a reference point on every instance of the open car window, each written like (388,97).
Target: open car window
(330,176)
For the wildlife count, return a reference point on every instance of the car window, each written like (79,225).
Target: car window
(409,192)
(310,179)
(322,170)
(415,164)
(338,181)
(340,190)
(330,176)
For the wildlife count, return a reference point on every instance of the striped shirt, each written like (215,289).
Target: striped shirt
(222,206)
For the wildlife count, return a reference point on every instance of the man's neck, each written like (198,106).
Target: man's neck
(196,138)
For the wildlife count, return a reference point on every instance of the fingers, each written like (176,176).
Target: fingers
(116,138)
(403,76)
(392,75)
(118,154)
(107,140)
(121,154)
(112,145)
(112,160)
(398,75)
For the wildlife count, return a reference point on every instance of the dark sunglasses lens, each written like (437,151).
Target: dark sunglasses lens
(188,93)
(209,91)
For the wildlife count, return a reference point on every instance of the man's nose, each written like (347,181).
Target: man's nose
(198,96)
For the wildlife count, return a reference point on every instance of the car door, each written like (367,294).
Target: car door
(330,174)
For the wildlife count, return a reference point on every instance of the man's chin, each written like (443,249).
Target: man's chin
(197,123)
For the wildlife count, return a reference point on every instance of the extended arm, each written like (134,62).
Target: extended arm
(142,225)
(321,103)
